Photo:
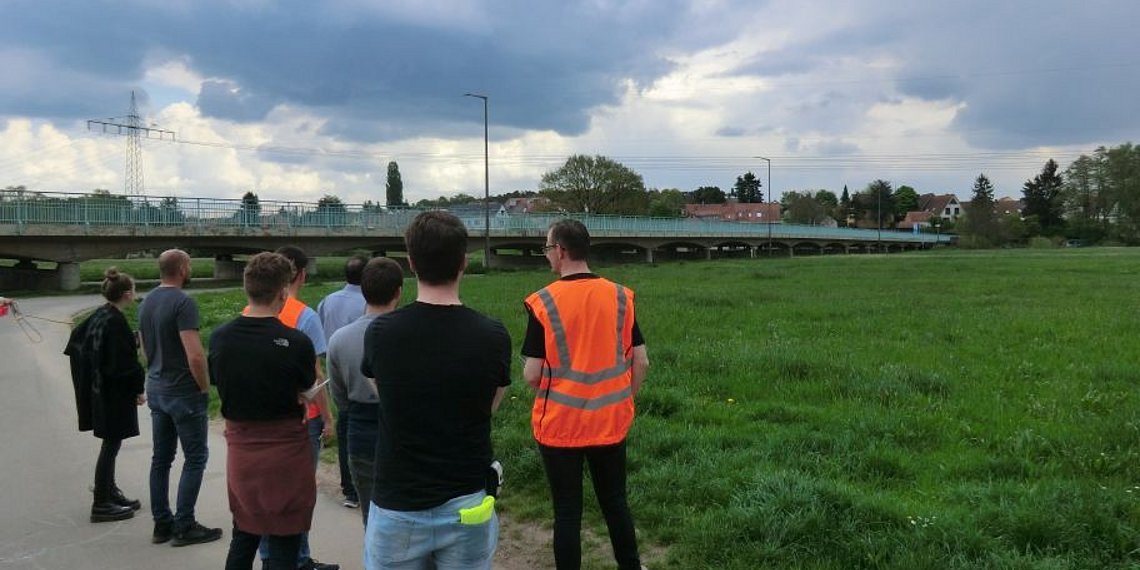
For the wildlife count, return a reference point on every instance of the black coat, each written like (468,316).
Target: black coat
(106,374)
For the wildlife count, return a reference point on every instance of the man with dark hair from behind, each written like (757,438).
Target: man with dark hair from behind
(440,369)
(261,368)
(177,391)
(338,309)
(355,394)
(585,388)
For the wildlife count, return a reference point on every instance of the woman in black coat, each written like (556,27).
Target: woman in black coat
(109,387)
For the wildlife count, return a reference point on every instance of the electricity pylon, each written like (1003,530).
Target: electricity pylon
(132,127)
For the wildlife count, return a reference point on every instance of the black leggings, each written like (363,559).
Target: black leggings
(607,471)
(105,470)
(282,551)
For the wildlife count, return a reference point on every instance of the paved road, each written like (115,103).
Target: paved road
(46,467)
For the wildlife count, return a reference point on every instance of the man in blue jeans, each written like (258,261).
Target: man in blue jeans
(440,371)
(177,392)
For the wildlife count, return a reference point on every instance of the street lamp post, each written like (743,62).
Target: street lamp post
(486,186)
(767,205)
(879,219)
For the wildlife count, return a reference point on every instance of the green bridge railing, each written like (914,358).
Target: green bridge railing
(20,209)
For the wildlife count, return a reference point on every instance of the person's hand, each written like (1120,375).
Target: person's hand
(327,430)
(140,399)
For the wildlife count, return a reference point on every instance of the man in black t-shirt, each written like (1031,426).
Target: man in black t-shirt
(440,369)
(262,368)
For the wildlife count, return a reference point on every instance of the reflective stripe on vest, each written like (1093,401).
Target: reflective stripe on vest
(565,371)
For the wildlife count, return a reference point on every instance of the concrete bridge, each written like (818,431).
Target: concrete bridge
(64,229)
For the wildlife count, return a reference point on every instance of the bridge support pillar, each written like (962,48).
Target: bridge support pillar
(226,268)
(752,252)
(708,253)
(25,275)
(649,255)
(311,268)
(68,276)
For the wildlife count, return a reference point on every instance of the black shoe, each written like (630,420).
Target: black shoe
(163,532)
(196,534)
(310,564)
(105,512)
(118,498)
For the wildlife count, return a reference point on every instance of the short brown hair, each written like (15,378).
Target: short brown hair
(116,284)
(437,246)
(381,281)
(572,236)
(170,262)
(266,275)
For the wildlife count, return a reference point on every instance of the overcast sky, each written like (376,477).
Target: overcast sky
(296,99)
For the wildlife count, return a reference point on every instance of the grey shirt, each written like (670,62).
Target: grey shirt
(165,313)
(346,351)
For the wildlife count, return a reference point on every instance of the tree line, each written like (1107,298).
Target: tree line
(1096,199)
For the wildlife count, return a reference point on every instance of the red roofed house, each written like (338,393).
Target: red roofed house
(736,212)
(945,206)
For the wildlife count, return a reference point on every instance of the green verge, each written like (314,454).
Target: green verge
(937,410)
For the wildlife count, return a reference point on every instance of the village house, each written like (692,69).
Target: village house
(735,212)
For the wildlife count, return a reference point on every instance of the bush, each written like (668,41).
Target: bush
(1041,242)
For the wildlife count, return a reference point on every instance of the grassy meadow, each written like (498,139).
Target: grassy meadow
(935,410)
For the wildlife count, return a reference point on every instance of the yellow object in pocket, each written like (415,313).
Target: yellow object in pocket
(480,514)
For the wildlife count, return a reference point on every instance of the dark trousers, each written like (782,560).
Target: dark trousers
(346,484)
(282,551)
(607,471)
(105,470)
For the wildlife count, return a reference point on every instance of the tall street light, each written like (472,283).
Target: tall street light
(766,206)
(486,186)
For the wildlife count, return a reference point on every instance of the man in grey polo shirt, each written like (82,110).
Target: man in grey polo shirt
(381,284)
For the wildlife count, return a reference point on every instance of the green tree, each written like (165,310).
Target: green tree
(827,199)
(906,200)
(667,203)
(707,195)
(981,224)
(395,186)
(844,207)
(747,189)
(875,204)
(1044,205)
(597,185)
(802,208)
(1121,174)
(250,210)
(330,211)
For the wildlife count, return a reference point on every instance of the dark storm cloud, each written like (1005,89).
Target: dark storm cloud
(544,65)
(223,99)
(1027,73)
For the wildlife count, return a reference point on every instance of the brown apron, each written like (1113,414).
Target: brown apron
(270,476)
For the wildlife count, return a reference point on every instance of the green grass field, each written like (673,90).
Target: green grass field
(936,410)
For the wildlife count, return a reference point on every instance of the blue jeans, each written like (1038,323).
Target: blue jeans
(413,540)
(315,426)
(174,420)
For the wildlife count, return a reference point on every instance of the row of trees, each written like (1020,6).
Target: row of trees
(1095,200)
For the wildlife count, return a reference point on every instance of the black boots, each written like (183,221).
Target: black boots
(118,499)
(115,507)
(108,511)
